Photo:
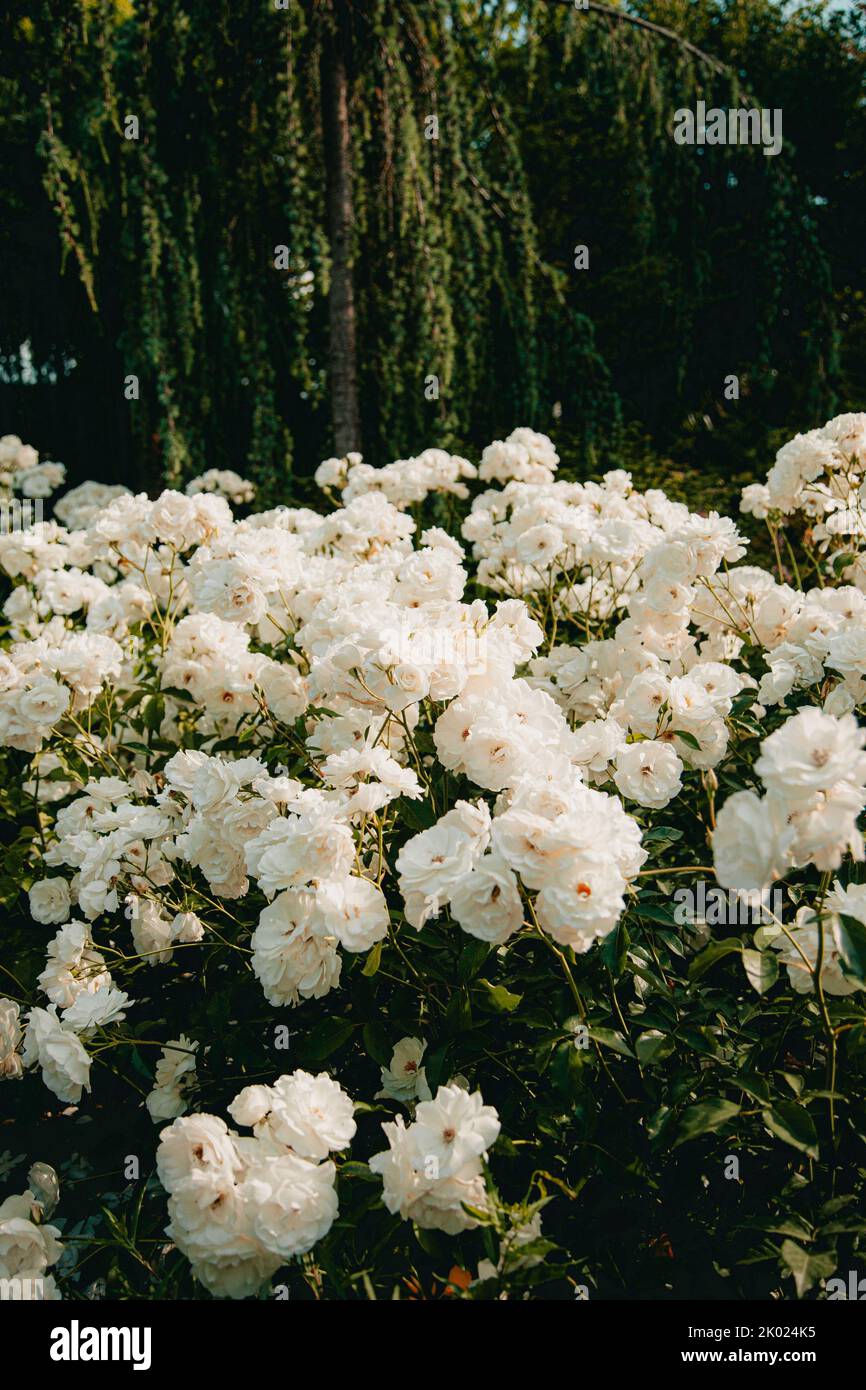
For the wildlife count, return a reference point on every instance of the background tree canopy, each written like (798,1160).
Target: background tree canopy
(293,247)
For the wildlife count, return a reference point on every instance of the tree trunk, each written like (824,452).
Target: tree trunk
(342,349)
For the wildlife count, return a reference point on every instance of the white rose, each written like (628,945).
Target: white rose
(44,703)
(452,1130)
(312,1115)
(50,901)
(585,907)
(648,773)
(811,752)
(354,910)
(751,841)
(405,1079)
(486,902)
(64,1062)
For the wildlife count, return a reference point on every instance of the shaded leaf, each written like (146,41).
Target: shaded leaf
(793,1124)
(703,1118)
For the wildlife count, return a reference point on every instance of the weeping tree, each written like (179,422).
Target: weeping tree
(277,210)
(443,267)
(705,260)
(308,225)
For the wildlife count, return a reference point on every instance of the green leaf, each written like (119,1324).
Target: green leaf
(140,1066)
(609,1038)
(841,562)
(503,1001)
(431,1242)
(658,1122)
(793,1123)
(567,1074)
(434,1066)
(755,1086)
(177,693)
(688,738)
(471,959)
(484,1218)
(672,941)
(662,836)
(153,712)
(651,912)
(701,1040)
(793,1080)
(458,1015)
(807,1269)
(327,1037)
(850,937)
(766,935)
(417,815)
(703,1118)
(352,1169)
(376,1043)
(614,950)
(653,1046)
(762,969)
(716,951)
(371,964)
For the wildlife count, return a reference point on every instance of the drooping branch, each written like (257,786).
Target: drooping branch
(661,30)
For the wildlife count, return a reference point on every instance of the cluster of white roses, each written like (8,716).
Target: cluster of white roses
(48,1043)
(813,770)
(575,846)
(241,1206)
(432,1169)
(21,472)
(226,482)
(405,482)
(28,1245)
(175,1074)
(821,475)
(160,651)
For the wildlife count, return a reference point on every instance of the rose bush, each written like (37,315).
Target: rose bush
(486,846)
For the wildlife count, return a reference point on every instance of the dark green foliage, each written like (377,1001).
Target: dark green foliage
(704,261)
(554,130)
(173,234)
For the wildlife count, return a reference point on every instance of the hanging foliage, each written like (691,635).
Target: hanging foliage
(182,151)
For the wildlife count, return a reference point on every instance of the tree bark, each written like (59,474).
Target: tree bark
(342,347)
